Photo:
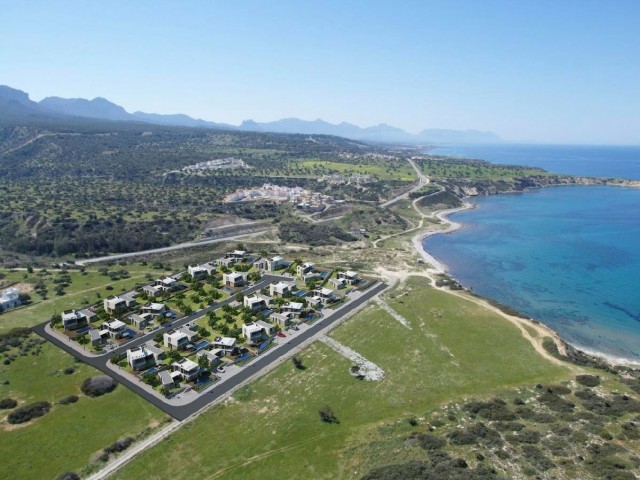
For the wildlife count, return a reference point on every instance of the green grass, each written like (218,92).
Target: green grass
(447,168)
(68,437)
(272,429)
(402,172)
(83,291)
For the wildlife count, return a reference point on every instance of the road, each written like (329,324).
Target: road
(422,181)
(181,412)
(196,243)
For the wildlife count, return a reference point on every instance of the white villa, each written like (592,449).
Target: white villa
(305,269)
(227,344)
(140,358)
(10,298)
(293,308)
(154,309)
(234,279)
(350,277)
(255,303)
(74,319)
(271,264)
(116,328)
(279,289)
(189,370)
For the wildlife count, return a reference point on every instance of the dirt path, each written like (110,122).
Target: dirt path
(369,370)
(387,308)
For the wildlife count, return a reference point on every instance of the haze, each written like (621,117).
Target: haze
(545,71)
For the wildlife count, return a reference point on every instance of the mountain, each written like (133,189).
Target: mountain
(377,133)
(180,120)
(16,103)
(97,108)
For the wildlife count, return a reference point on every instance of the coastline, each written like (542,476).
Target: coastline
(440,268)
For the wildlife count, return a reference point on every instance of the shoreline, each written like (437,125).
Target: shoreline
(440,267)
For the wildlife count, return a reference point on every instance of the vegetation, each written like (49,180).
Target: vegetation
(450,353)
(28,412)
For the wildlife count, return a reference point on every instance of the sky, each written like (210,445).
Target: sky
(555,71)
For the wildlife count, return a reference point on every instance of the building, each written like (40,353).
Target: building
(154,309)
(96,337)
(214,356)
(10,298)
(166,380)
(237,255)
(226,344)
(157,352)
(74,319)
(350,277)
(196,271)
(281,319)
(255,303)
(168,284)
(292,308)
(114,304)
(305,269)
(192,335)
(115,328)
(234,279)
(189,370)
(175,339)
(225,262)
(152,290)
(267,328)
(140,358)
(271,264)
(280,289)
(141,321)
(253,333)
(324,293)
(337,283)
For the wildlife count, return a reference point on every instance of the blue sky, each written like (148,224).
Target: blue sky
(551,71)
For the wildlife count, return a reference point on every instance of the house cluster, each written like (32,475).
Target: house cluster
(218,164)
(297,195)
(9,298)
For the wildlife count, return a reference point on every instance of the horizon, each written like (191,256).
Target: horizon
(532,74)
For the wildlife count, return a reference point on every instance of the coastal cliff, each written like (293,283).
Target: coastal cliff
(474,187)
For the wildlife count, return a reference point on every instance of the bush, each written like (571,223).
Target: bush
(429,442)
(474,434)
(588,380)
(97,386)
(327,415)
(26,413)
(69,370)
(68,400)
(119,445)
(496,409)
(7,403)
(68,476)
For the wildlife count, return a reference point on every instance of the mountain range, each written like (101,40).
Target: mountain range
(16,103)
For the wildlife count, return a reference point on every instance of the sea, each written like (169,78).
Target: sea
(567,256)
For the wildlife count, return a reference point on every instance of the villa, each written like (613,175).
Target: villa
(74,319)
(324,293)
(255,303)
(279,289)
(338,283)
(196,271)
(305,269)
(281,319)
(253,333)
(225,262)
(154,309)
(271,264)
(141,321)
(115,328)
(118,304)
(140,358)
(166,380)
(226,344)
(212,355)
(234,279)
(293,308)
(189,370)
(10,298)
(175,339)
(350,277)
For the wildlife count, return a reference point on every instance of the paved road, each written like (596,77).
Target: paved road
(181,412)
(422,181)
(180,246)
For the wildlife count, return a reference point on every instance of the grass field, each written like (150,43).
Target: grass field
(69,436)
(83,290)
(401,171)
(272,430)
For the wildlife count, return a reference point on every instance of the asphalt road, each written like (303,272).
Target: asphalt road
(181,412)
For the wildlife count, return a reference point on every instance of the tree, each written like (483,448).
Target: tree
(297,362)
(56,318)
(203,362)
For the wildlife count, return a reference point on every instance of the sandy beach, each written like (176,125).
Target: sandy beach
(452,227)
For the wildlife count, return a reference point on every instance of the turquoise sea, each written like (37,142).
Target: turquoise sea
(567,256)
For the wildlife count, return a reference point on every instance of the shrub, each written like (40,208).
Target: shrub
(327,415)
(429,442)
(473,434)
(496,409)
(119,445)
(99,385)
(26,413)
(68,476)
(588,380)
(68,400)
(69,370)
(7,403)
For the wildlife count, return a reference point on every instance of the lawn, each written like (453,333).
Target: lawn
(272,428)
(69,436)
